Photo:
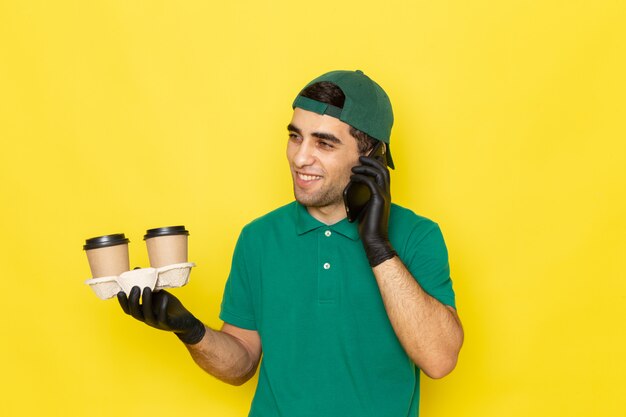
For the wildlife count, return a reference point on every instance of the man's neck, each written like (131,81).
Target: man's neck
(328,214)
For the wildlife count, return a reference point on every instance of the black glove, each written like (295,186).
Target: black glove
(375,217)
(163,311)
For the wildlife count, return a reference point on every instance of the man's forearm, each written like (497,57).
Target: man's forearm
(429,331)
(224,356)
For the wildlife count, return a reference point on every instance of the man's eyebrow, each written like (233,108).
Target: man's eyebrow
(327,136)
(320,135)
(292,128)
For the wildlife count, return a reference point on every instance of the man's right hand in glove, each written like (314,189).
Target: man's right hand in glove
(163,311)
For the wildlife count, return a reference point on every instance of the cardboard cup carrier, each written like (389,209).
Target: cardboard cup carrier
(109,262)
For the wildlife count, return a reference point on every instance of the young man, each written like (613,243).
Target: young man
(346,314)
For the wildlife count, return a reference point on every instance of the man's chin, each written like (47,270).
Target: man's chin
(316,201)
(306,200)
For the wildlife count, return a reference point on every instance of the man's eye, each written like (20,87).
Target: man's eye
(293,136)
(326,145)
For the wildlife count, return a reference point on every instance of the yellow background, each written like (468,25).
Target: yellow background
(118,116)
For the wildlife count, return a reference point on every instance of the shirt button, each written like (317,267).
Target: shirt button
(326,265)
(328,233)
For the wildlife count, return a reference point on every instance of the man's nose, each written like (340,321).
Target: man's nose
(305,155)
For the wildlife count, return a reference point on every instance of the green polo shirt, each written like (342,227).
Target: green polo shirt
(328,346)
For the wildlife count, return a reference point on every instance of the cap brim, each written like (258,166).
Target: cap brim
(389,158)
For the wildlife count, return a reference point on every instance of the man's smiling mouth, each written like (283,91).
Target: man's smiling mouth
(308,177)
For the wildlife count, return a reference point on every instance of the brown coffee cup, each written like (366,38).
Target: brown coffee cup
(107,255)
(166,245)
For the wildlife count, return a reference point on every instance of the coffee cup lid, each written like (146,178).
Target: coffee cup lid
(105,241)
(165,231)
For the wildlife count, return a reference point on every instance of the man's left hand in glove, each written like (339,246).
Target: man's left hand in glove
(373,223)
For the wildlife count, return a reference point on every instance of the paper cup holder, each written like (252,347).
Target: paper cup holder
(169,276)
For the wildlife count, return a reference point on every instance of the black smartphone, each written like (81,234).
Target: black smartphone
(356,195)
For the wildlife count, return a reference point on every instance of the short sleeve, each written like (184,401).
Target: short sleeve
(237,304)
(426,257)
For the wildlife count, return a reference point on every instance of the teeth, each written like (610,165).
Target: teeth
(309,177)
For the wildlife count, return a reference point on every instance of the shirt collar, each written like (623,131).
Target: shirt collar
(306,223)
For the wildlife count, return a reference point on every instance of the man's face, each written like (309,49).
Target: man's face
(321,153)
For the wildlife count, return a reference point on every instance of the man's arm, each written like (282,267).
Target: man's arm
(231,355)
(430,332)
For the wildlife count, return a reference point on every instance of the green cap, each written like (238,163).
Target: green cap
(367,106)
